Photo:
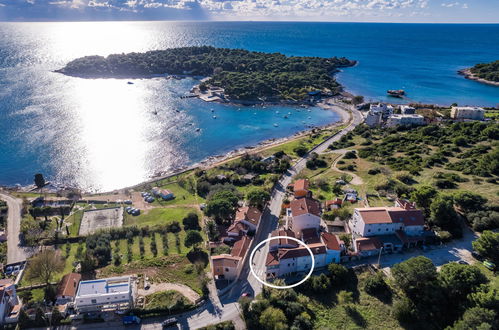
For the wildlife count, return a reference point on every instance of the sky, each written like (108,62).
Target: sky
(411,11)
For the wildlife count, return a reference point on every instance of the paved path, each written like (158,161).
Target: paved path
(15,252)
(224,308)
(356,180)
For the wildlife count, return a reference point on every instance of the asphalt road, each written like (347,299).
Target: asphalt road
(226,307)
(15,252)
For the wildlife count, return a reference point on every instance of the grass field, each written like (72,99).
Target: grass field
(158,216)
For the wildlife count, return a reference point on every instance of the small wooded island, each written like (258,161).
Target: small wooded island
(487,73)
(243,75)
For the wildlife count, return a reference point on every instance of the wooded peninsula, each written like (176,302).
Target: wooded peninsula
(487,71)
(244,75)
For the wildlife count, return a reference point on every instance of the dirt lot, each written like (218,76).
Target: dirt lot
(94,220)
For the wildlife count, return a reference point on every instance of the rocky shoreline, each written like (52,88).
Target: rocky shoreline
(471,76)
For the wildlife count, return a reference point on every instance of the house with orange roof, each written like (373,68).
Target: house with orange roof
(287,257)
(229,266)
(395,227)
(66,290)
(304,213)
(300,188)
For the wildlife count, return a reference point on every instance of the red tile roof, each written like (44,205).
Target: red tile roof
(250,214)
(332,241)
(68,285)
(310,235)
(409,217)
(305,205)
(301,184)
(283,241)
(368,244)
(240,247)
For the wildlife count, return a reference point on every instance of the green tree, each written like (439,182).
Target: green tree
(56,316)
(258,198)
(300,151)
(443,214)
(221,205)
(191,221)
(486,297)
(192,238)
(45,265)
(488,245)
(423,196)
(414,274)
(475,318)
(338,274)
(460,280)
(273,319)
(469,201)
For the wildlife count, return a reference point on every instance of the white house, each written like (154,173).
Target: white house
(405,120)
(286,257)
(305,213)
(473,113)
(107,294)
(381,108)
(373,119)
(10,306)
(407,110)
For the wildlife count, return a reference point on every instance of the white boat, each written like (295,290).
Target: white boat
(214,117)
(275,125)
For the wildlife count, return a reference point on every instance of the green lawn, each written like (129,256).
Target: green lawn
(182,196)
(158,216)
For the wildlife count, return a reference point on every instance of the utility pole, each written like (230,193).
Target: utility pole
(379,257)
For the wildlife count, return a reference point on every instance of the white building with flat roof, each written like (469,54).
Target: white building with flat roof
(381,108)
(107,294)
(473,113)
(407,110)
(405,120)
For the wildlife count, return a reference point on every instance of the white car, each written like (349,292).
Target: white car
(16,270)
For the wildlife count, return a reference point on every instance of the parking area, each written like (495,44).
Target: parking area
(93,220)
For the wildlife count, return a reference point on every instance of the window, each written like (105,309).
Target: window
(379,229)
(226,269)
(386,229)
(369,230)
(94,301)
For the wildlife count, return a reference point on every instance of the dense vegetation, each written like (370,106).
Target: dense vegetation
(244,75)
(487,71)
(418,297)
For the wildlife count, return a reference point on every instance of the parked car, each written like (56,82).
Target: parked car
(169,322)
(489,265)
(130,319)
(150,199)
(135,212)
(462,262)
(143,194)
(246,294)
(9,270)
(128,202)
(128,208)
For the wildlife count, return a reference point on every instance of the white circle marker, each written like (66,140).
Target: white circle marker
(277,286)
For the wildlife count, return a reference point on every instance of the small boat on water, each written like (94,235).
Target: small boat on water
(214,117)
(212,110)
(130,83)
(286,117)
(277,112)
(396,92)
(198,129)
(276,125)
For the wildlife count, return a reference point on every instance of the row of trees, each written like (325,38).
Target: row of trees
(243,74)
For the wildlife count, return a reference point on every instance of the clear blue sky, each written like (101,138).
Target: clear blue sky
(433,11)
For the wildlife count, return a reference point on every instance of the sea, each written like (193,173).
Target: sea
(105,134)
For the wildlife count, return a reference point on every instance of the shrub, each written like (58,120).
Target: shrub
(350,155)
(376,285)
(300,151)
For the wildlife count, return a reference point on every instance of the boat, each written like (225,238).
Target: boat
(286,117)
(198,129)
(275,125)
(130,83)
(395,93)
(214,117)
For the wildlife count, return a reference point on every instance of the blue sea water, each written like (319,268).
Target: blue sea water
(104,134)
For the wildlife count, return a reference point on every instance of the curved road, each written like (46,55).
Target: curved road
(226,307)
(15,252)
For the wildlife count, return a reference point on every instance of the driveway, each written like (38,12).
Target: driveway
(15,252)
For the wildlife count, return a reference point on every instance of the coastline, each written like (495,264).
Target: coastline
(471,76)
(216,160)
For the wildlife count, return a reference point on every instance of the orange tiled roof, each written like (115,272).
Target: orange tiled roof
(332,241)
(305,205)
